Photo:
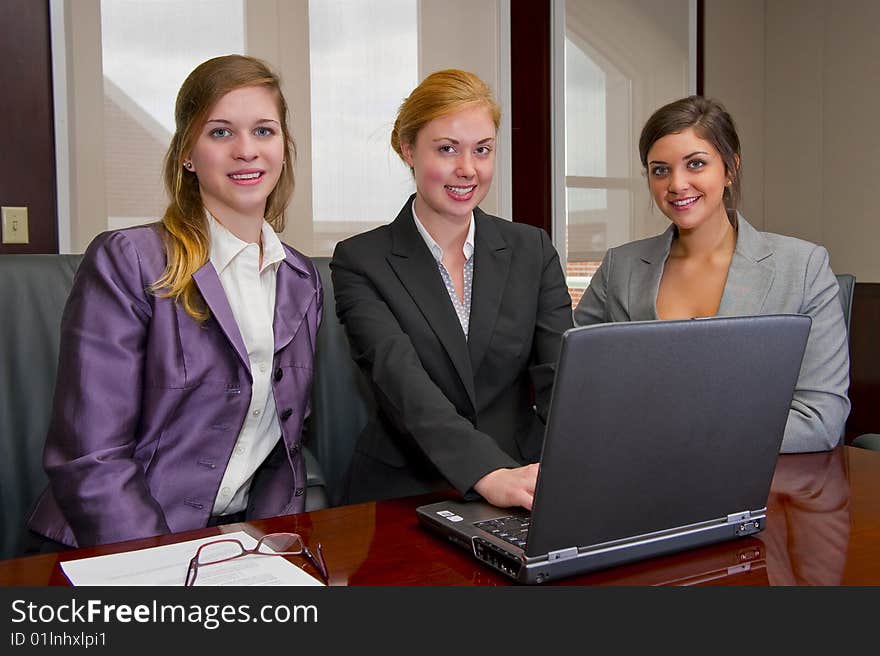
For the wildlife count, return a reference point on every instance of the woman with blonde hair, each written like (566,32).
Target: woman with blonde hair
(454,316)
(187,346)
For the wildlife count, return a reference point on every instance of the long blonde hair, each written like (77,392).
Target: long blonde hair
(440,94)
(187,241)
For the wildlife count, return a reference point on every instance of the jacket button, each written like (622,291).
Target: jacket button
(299,491)
(293,450)
(286,414)
(279,373)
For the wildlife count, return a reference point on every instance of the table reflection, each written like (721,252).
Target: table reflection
(808,520)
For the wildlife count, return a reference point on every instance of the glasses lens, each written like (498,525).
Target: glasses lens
(280,543)
(215,552)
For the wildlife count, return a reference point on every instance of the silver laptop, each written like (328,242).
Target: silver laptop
(662,436)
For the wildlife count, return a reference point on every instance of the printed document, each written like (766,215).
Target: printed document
(167,566)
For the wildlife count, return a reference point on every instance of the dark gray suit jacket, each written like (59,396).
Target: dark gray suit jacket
(768,274)
(449,410)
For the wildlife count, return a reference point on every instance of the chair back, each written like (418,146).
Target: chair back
(341,397)
(846,283)
(33,290)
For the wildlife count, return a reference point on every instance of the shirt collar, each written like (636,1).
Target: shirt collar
(225,246)
(273,249)
(436,251)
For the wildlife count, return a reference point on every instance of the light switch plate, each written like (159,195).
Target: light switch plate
(15,225)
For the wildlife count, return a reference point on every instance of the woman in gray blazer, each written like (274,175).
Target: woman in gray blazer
(711,261)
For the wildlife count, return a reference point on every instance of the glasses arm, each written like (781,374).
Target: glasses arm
(192,569)
(317,562)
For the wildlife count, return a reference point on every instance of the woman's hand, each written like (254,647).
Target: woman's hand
(509,487)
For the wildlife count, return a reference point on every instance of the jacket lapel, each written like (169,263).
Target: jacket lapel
(417,271)
(750,275)
(208,282)
(644,281)
(491,268)
(294,294)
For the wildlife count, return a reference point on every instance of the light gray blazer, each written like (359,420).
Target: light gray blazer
(768,274)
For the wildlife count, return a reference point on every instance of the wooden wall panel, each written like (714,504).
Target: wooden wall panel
(27,154)
(530,93)
(864,350)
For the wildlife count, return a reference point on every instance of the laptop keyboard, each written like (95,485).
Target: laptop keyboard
(512,529)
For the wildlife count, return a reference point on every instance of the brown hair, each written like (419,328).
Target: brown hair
(187,242)
(441,93)
(711,122)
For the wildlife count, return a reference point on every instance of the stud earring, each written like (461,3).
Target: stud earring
(188,166)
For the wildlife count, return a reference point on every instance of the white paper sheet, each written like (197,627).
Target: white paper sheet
(167,565)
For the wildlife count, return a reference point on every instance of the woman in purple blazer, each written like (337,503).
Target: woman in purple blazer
(187,346)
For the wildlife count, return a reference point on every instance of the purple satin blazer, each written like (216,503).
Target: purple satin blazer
(149,403)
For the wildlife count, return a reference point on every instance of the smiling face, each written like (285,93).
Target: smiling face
(239,154)
(453,161)
(687,178)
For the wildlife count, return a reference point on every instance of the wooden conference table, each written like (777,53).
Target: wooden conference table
(823,529)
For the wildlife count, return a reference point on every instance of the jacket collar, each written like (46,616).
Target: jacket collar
(417,270)
(295,291)
(751,273)
(748,279)
(492,257)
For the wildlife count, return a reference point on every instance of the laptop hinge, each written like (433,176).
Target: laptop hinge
(562,554)
(744,523)
(736,518)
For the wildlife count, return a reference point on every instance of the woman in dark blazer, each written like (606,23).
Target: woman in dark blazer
(455,316)
(187,346)
(711,261)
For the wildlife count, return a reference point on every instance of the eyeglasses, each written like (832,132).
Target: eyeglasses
(272,544)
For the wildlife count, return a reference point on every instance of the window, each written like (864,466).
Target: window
(346,65)
(620,62)
(148,49)
(364,62)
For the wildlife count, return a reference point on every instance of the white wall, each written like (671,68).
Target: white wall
(733,73)
(468,34)
(84,140)
(801,79)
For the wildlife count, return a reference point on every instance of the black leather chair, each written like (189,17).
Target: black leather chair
(847,286)
(868,440)
(341,397)
(33,290)
(846,283)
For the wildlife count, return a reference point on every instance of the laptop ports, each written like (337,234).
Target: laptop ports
(496,557)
